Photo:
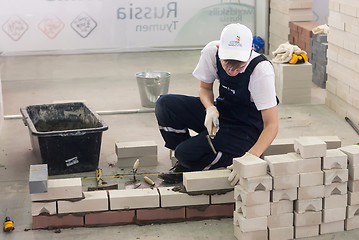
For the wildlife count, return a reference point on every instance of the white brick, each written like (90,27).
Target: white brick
(306,231)
(308,205)
(352,210)
(253,211)
(334,214)
(249,235)
(40,208)
(145,161)
(331,227)
(282,233)
(354,173)
(335,189)
(310,192)
(311,179)
(307,165)
(282,164)
(68,188)
(170,198)
(335,176)
(353,186)
(223,198)
(281,220)
(93,202)
(283,206)
(333,142)
(249,166)
(135,149)
(250,198)
(285,194)
(307,218)
(285,182)
(310,147)
(335,201)
(261,183)
(250,224)
(206,180)
(352,152)
(280,146)
(134,198)
(353,198)
(352,223)
(335,159)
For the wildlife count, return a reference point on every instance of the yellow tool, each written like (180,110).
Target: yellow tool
(8,225)
(99,180)
(297,59)
(100,183)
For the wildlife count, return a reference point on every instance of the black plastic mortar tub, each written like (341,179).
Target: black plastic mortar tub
(66,136)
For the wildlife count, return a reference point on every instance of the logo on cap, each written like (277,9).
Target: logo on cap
(236,43)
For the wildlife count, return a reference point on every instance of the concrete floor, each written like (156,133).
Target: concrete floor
(107,82)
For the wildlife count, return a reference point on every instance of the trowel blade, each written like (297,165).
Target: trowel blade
(132,185)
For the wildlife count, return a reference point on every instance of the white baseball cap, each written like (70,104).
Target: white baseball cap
(235,43)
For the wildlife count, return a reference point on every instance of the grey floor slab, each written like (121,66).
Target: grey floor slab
(107,82)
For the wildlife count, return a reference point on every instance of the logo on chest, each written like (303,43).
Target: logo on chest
(228,89)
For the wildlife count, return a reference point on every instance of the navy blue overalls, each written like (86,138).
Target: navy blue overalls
(240,123)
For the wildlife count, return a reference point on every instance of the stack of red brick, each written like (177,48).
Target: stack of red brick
(301,33)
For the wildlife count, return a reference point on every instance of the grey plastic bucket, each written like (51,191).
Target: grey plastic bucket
(151,85)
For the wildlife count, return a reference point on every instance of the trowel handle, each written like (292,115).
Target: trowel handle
(136,164)
(149,181)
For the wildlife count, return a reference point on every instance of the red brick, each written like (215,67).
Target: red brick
(56,221)
(110,218)
(210,211)
(160,214)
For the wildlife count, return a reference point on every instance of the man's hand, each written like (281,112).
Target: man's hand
(211,119)
(233,176)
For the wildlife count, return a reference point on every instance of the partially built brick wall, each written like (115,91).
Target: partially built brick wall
(300,187)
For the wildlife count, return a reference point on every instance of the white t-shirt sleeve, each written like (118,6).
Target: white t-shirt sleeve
(206,69)
(262,86)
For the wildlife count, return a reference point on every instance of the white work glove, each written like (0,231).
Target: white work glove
(233,176)
(211,119)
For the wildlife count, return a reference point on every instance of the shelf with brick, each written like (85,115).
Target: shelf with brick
(301,33)
(280,16)
(318,58)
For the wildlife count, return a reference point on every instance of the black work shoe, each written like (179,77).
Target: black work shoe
(175,174)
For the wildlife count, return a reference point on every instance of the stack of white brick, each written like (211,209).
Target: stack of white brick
(352,220)
(293,82)
(335,192)
(284,171)
(282,12)
(252,196)
(308,207)
(343,56)
(129,152)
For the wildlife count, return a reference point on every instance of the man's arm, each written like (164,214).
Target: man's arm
(206,94)
(270,130)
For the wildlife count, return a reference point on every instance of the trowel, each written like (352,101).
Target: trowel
(134,183)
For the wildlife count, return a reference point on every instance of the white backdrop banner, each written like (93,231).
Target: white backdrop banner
(119,25)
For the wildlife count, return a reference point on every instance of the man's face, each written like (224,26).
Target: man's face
(231,71)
